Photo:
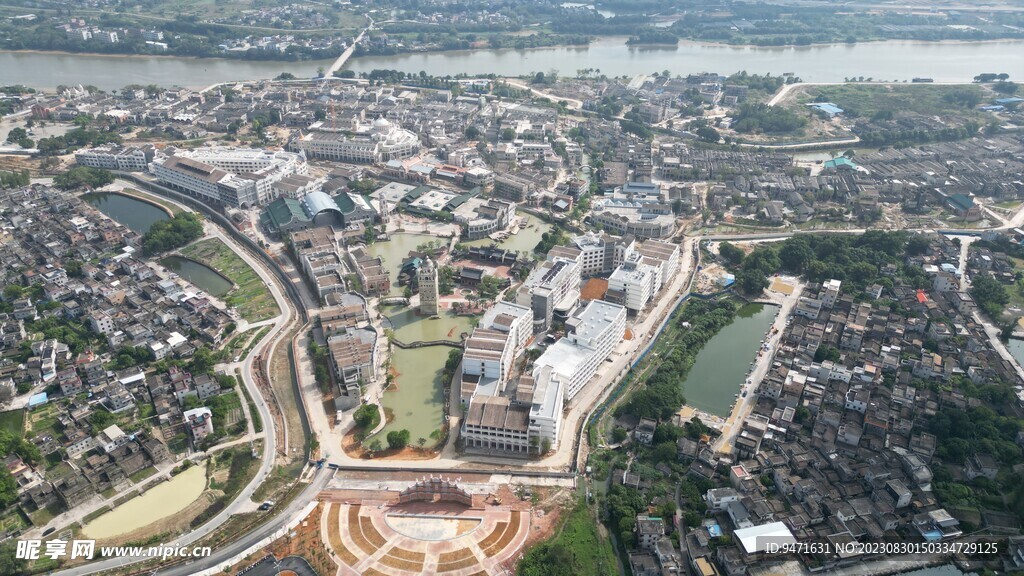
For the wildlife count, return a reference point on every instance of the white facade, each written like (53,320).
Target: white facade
(573,360)
(554,284)
(636,283)
(379,142)
(512,318)
(115,157)
(239,177)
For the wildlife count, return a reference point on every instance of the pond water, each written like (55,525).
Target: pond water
(416,396)
(161,501)
(410,327)
(397,249)
(1016,349)
(524,241)
(723,363)
(131,212)
(201,275)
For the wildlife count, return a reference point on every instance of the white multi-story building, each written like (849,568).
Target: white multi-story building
(552,288)
(643,220)
(514,319)
(486,363)
(116,157)
(663,254)
(633,284)
(378,142)
(594,332)
(830,292)
(600,253)
(239,177)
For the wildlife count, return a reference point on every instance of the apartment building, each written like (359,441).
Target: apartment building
(551,290)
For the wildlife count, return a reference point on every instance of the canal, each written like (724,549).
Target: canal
(159,502)
(410,326)
(131,212)
(723,363)
(415,400)
(200,275)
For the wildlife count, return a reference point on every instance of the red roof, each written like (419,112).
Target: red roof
(921,297)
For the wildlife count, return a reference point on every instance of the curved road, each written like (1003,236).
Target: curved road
(243,502)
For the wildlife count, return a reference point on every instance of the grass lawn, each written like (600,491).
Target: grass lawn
(142,474)
(12,520)
(579,541)
(43,515)
(250,295)
(13,421)
(44,420)
(175,210)
(866,100)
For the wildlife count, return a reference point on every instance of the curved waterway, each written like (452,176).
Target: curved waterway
(131,212)
(159,502)
(201,275)
(723,363)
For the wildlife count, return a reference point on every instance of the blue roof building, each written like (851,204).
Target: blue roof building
(840,163)
(827,108)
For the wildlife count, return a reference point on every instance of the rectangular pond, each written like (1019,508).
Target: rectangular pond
(723,364)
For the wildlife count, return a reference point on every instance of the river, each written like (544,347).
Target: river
(723,363)
(47,70)
(133,213)
(943,61)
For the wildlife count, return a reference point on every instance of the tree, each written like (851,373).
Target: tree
(398,439)
(990,295)
(366,416)
(472,133)
(173,233)
(80,176)
(796,254)
(731,253)
(10,564)
(508,134)
(708,134)
(619,434)
(285,76)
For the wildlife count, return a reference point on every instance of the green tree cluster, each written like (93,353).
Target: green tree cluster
(80,176)
(398,439)
(173,233)
(989,294)
(663,395)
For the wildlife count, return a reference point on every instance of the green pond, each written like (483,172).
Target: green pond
(396,250)
(409,326)
(723,363)
(415,399)
(524,241)
(131,212)
(158,502)
(202,276)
